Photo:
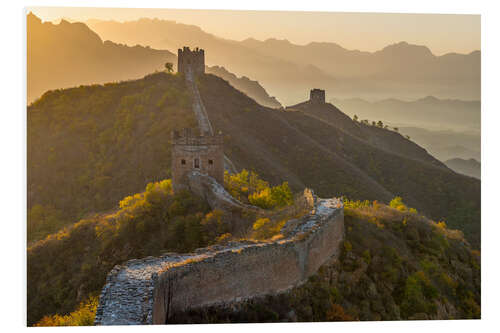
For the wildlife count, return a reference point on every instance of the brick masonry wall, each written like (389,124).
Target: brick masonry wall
(143,291)
(203,153)
(249,271)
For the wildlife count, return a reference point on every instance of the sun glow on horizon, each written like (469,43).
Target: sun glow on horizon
(441,33)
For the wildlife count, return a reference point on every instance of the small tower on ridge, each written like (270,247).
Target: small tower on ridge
(317,96)
(194,59)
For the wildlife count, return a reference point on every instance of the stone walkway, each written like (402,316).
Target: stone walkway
(202,116)
(127,297)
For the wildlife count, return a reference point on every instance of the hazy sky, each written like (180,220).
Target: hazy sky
(442,33)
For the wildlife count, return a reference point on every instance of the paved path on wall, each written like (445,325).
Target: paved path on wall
(201,115)
(127,297)
(198,107)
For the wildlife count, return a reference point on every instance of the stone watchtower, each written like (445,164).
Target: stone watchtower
(203,153)
(317,96)
(194,59)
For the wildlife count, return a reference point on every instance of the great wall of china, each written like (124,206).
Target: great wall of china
(145,291)
(200,112)
(148,290)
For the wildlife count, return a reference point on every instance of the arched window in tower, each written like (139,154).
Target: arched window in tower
(197,163)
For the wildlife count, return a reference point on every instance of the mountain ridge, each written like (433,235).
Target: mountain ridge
(77,37)
(283,68)
(71,54)
(328,167)
(278,144)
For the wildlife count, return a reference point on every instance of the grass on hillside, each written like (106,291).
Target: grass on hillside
(91,145)
(70,266)
(394,265)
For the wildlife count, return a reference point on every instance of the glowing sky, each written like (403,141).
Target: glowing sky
(442,33)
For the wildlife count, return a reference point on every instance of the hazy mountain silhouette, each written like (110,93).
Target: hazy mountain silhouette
(469,167)
(287,70)
(401,61)
(446,144)
(252,88)
(280,77)
(428,112)
(70,54)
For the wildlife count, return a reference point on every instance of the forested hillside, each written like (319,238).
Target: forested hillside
(308,151)
(395,265)
(90,146)
(70,266)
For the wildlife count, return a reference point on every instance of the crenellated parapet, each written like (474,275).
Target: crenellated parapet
(194,59)
(187,137)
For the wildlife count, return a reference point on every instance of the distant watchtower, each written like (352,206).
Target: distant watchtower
(203,153)
(194,59)
(317,96)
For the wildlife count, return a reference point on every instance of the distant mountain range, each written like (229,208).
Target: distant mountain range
(446,128)
(288,70)
(446,144)
(70,54)
(429,112)
(469,167)
(252,88)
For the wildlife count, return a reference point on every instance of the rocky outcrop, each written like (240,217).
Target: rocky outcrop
(147,291)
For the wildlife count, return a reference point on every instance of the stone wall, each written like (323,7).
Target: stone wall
(202,153)
(146,291)
(249,271)
(201,115)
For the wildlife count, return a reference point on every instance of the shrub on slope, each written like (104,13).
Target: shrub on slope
(90,146)
(394,265)
(67,267)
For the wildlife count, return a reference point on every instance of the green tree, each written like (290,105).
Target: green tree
(169,67)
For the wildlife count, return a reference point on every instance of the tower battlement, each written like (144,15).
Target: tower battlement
(187,137)
(202,153)
(191,58)
(317,96)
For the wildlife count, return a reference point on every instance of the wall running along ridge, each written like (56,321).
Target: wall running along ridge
(148,290)
(201,115)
